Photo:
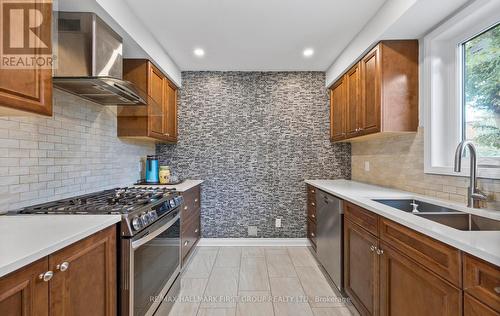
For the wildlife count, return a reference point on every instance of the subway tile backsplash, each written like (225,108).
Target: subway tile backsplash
(398,162)
(75,151)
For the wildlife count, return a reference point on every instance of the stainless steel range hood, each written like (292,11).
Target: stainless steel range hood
(90,63)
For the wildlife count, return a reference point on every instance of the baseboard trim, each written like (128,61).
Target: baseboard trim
(254,242)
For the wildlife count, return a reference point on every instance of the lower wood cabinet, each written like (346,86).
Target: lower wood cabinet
(390,269)
(407,288)
(311,215)
(473,307)
(77,280)
(23,293)
(361,265)
(190,221)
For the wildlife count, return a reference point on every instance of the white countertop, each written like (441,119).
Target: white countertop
(181,187)
(27,238)
(482,244)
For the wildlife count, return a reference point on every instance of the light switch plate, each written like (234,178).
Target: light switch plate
(278,222)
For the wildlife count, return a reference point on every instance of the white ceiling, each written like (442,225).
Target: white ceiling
(254,35)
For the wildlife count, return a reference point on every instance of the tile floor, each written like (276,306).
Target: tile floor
(256,281)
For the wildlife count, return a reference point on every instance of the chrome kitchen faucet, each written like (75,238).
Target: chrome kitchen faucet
(474,195)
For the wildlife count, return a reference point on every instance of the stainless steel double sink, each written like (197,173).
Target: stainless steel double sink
(443,215)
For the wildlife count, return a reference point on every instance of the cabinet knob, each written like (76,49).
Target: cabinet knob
(167,134)
(312,191)
(380,252)
(63,266)
(372,248)
(313,204)
(313,216)
(497,289)
(186,243)
(196,230)
(312,235)
(195,200)
(185,208)
(46,276)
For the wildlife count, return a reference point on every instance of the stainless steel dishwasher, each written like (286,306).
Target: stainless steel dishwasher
(330,222)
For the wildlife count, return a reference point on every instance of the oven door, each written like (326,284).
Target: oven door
(154,264)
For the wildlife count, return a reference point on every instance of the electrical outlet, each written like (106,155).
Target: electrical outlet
(278,222)
(252,230)
(367,166)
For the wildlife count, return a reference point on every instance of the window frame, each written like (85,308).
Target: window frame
(443,90)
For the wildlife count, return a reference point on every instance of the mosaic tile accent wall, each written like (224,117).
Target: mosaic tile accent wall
(254,137)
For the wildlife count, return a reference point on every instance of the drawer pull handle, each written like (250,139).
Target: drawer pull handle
(63,266)
(195,200)
(497,289)
(313,216)
(372,248)
(196,230)
(186,243)
(185,208)
(312,235)
(380,252)
(46,276)
(313,204)
(312,191)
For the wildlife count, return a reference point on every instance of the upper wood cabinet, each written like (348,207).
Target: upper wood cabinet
(28,91)
(337,110)
(381,92)
(77,280)
(158,119)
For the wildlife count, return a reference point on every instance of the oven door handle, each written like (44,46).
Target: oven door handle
(139,242)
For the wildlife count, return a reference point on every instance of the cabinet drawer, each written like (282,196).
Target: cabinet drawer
(192,199)
(311,231)
(190,234)
(362,217)
(440,258)
(473,307)
(482,280)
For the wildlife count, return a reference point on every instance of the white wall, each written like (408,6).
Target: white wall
(396,19)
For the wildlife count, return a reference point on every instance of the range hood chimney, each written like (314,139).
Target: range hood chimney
(90,62)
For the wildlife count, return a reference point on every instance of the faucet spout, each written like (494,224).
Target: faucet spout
(474,195)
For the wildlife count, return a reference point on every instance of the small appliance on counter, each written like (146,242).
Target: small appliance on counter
(152,169)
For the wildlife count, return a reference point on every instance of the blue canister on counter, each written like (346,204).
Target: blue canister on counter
(152,169)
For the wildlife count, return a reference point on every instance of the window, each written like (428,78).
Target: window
(481,92)
(461,89)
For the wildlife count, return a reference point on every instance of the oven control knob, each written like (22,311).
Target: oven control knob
(136,223)
(145,218)
(153,215)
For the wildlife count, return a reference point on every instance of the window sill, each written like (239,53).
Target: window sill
(484,173)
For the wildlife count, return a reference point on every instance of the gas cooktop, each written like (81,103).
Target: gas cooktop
(139,206)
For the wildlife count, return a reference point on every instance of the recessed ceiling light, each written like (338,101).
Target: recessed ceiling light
(308,52)
(199,52)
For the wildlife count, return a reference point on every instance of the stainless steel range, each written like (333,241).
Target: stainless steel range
(150,240)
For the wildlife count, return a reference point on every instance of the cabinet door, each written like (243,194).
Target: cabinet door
(473,307)
(353,100)
(23,293)
(28,90)
(337,110)
(170,117)
(157,102)
(370,92)
(84,281)
(406,288)
(361,268)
